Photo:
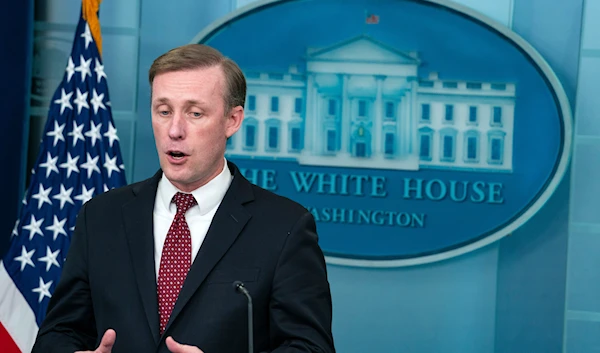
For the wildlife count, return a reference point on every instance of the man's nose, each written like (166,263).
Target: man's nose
(177,127)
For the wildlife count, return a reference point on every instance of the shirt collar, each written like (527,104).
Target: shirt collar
(208,196)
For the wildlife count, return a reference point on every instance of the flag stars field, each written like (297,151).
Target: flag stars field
(79,157)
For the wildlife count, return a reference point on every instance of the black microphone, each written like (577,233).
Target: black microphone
(239,287)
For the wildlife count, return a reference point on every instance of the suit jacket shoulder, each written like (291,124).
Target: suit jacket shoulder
(123,194)
(262,204)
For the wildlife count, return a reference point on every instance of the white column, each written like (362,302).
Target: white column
(261,135)
(346,116)
(284,136)
(407,126)
(400,142)
(236,140)
(412,117)
(319,119)
(406,123)
(378,118)
(309,116)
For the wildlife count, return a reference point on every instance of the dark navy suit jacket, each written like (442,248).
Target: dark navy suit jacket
(264,240)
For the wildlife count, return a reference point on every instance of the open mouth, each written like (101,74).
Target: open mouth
(176,154)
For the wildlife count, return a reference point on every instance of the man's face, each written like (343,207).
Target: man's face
(190,125)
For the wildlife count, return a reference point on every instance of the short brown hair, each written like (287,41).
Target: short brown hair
(196,56)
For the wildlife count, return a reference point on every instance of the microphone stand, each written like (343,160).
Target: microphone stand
(239,287)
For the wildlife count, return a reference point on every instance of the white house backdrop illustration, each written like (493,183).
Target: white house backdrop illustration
(362,103)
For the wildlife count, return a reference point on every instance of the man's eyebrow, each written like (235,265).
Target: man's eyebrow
(160,100)
(187,102)
(193,102)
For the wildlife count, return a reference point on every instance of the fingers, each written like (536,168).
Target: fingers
(175,347)
(108,341)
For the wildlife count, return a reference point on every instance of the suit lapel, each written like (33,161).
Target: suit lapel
(228,222)
(138,219)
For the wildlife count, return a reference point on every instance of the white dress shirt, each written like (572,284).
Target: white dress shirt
(198,217)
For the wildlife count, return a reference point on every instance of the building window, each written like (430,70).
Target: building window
(425,147)
(275,104)
(389,144)
(251,103)
(448,144)
(272,135)
(496,150)
(250,134)
(389,110)
(496,147)
(449,114)
(448,151)
(362,108)
(450,84)
(331,107)
(473,85)
(425,143)
(331,140)
(361,142)
(471,146)
(472,115)
(298,106)
(497,116)
(425,112)
(361,149)
(295,139)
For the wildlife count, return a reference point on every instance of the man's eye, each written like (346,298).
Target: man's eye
(196,114)
(164,112)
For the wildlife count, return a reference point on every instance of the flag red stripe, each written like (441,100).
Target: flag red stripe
(6,342)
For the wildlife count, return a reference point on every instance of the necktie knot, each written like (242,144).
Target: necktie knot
(184,202)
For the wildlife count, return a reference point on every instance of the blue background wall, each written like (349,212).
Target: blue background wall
(524,293)
(583,278)
(16,74)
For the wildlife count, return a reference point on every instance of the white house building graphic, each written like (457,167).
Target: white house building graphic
(361,103)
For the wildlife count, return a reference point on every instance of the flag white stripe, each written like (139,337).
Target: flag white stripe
(15,314)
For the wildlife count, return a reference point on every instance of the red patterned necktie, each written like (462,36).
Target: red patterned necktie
(175,260)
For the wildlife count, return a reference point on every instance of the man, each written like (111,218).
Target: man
(152,265)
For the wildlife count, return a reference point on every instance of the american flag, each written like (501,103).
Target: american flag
(79,158)
(371,19)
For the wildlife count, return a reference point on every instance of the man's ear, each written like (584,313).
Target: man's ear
(234,120)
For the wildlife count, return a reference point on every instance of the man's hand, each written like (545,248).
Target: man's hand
(108,341)
(175,347)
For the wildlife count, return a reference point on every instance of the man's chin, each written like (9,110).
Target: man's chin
(174,176)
